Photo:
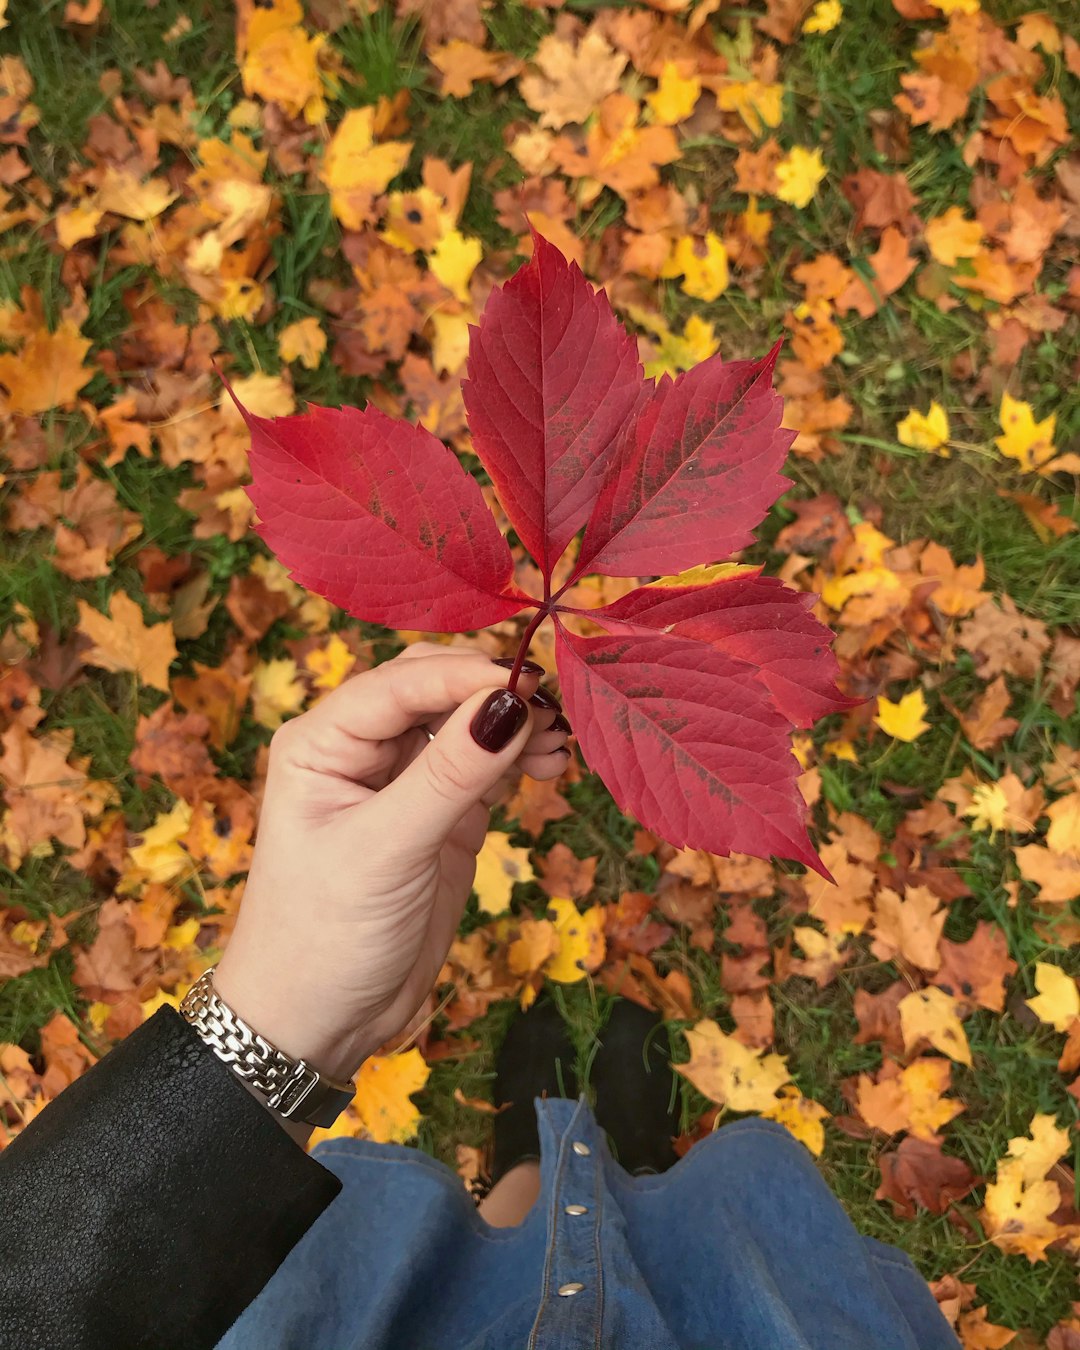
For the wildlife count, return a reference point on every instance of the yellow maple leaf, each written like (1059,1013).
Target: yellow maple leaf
(581,941)
(1058,1000)
(988,809)
(76,221)
(498,866)
(1016,1214)
(801,1116)
(261,394)
(450,345)
(704,277)
(956,6)
(730,1073)
(759,105)
(383,1109)
(536,943)
(356,170)
(571,82)
(121,192)
(330,664)
(303,341)
(275,692)
(799,174)
(951,236)
(123,641)
(931,1013)
(1063,836)
(926,431)
(454,260)
(824,17)
(48,372)
(160,857)
(675,96)
(284,68)
(903,720)
(1029,442)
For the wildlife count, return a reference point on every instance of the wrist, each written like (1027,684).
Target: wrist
(297,1025)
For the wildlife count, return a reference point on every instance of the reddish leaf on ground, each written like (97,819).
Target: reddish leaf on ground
(692,474)
(688,741)
(379,517)
(918,1173)
(552,378)
(752,618)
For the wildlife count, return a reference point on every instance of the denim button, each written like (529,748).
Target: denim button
(576,1209)
(582,1150)
(566,1290)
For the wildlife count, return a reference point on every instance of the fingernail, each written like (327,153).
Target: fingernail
(542,699)
(562,750)
(508,662)
(561,724)
(498,720)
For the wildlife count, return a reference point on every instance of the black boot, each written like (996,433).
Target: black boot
(636,1096)
(535,1060)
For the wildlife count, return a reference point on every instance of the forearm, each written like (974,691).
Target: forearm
(149,1204)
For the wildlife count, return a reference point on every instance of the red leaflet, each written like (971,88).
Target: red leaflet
(692,474)
(686,709)
(752,618)
(552,379)
(686,738)
(380,518)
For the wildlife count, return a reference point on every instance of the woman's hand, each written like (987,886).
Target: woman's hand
(367,847)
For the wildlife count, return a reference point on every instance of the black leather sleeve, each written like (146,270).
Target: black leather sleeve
(148,1205)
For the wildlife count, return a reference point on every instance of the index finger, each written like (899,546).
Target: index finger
(386,701)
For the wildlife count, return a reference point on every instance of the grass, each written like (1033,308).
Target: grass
(838,89)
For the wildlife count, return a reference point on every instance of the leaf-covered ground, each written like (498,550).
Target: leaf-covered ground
(317,202)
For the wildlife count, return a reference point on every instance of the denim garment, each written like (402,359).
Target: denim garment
(740,1246)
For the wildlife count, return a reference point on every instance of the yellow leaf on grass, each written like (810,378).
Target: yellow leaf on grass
(801,1116)
(1058,1000)
(330,664)
(730,1073)
(989,808)
(498,866)
(454,260)
(356,170)
(160,856)
(705,276)
(284,68)
(925,431)
(1063,836)
(799,174)
(931,1013)
(48,372)
(759,105)
(383,1109)
(123,641)
(1020,1201)
(303,341)
(675,96)
(536,943)
(275,692)
(581,941)
(951,236)
(122,193)
(903,720)
(1029,442)
(824,17)
(76,221)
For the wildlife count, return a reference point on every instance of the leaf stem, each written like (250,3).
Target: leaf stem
(526,637)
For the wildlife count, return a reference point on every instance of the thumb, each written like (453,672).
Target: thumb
(467,757)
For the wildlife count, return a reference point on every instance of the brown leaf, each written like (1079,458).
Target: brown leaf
(565,874)
(983,723)
(919,1174)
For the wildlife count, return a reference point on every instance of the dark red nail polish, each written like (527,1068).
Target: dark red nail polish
(500,717)
(542,699)
(508,662)
(561,724)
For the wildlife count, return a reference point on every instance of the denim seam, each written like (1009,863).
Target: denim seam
(549,1253)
